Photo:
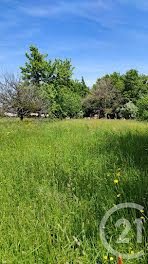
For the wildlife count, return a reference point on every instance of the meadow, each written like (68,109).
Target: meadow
(58,179)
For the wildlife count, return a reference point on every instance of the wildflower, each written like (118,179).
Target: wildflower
(118,174)
(30,207)
(116,181)
(141,211)
(118,195)
(105,257)
(142,217)
(108,174)
(119,169)
(132,252)
(111,258)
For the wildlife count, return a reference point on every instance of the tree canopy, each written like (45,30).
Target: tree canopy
(47,86)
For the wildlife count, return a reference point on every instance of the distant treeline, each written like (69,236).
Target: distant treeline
(47,87)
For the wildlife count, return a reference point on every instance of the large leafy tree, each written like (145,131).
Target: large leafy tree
(103,99)
(53,81)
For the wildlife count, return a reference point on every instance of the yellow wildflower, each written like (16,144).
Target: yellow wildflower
(118,174)
(119,169)
(141,211)
(111,258)
(142,217)
(108,174)
(116,181)
(105,257)
(118,195)
(132,252)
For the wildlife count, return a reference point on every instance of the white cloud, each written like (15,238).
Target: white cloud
(41,11)
(79,8)
(103,12)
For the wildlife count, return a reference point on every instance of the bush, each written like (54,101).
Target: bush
(79,115)
(128,111)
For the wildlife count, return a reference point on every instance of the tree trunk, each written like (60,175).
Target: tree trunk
(21,117)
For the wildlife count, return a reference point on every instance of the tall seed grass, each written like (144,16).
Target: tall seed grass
(57,182)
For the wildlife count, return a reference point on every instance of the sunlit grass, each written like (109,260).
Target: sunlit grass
(57,180)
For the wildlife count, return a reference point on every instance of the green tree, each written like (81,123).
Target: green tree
(53,82)
(103,100)
(63,72)
(142,105)
(132,88)
(79,87)
(115,77)
(70,103)
(37,70)
(84,88)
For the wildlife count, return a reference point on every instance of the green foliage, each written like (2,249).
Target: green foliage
(70,103)
(61,95)
(112,93)
(37,69)
(84,88)
(132,86)
(127,111)
(67,103)
(120,87)
(103,100)
(79,87)
(63,72)
(143,108)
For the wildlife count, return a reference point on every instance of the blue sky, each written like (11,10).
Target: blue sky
(100,36)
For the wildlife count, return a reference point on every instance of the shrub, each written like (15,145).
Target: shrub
(128,111)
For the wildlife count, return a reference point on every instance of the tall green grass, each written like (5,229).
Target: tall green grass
(57,182)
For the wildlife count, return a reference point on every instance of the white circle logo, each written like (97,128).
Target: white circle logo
(128,226)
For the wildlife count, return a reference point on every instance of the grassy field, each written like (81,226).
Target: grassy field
(57,182)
